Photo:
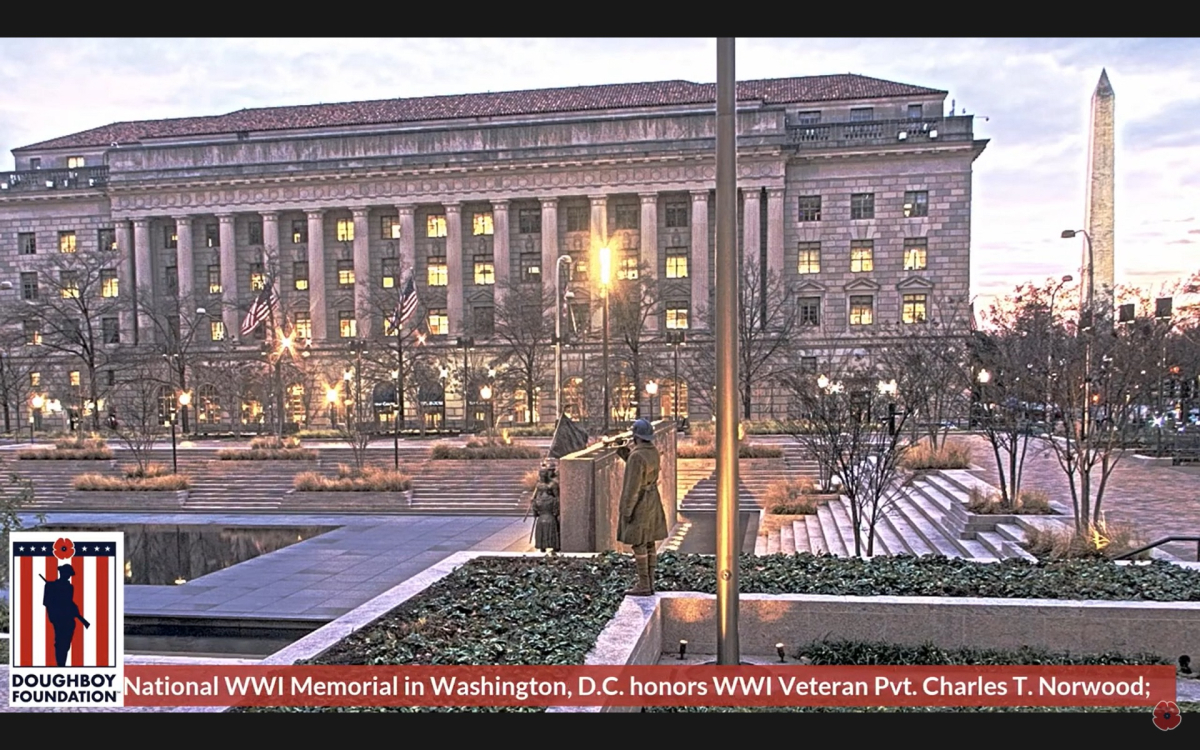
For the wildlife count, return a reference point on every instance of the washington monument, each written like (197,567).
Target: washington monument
(1100,210)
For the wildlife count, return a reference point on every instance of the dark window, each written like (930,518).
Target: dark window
(916,203)
(299,231)
(862,206)
(110,377)
(862,114)
(29,285)
(172,274)
(483,320)
(28,243)
(106,239)
(810,208)
(33,332)
(915,111)
(255,233)
(170,238)
(69,284)
(300,274)
(111,331)
(808,118)
(529,220)
(531,267)
(578,219)
(388,271)
(581,318)
(35,163)
(808,365)
(677,215)
(626,216)
(810,311)
(212,235)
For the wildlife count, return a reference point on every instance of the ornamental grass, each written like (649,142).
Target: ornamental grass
(350,479)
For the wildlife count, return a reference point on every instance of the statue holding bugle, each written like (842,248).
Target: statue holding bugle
(62,611)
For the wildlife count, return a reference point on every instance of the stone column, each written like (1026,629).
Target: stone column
(316,274)
(549,240)
(775,230)
(649,244)
(272,262)
(751,227)
(143,279)
(185,270)
(124,232)
(229,278)
(699,259)
(500,255)
(454,268)
(599,238)
(407,250)
(362,273)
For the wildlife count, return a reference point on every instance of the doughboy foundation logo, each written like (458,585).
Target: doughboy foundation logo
(68,629)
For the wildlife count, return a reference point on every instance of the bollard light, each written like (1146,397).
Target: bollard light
(682,649)
(779,650)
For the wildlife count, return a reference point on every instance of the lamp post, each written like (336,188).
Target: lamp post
(1050,351)
(1089,314)
(357,347)
(652,391)
(35,419)
(605,278)
(559,297)
(397,375)
(676,339)
(444,376)
(466,342)
(184,399)
(331,398)
(485,393)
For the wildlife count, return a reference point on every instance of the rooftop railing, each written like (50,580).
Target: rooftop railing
(880,132)
(53,179)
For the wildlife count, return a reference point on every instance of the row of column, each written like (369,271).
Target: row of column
(138,270)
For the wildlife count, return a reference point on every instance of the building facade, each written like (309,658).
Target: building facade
(854,206)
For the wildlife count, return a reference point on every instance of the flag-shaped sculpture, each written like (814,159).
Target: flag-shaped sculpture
(262,309)
(408,303)
(568,438)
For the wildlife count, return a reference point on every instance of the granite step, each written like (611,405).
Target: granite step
(816,540)
(787,540)
(929,532)
(829,531)
(800,537)
(914,543)
(842,527)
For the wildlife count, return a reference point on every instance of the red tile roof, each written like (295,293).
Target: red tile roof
(534,101)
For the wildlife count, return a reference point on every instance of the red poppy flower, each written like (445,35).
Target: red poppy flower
(1166,715)
(64,549)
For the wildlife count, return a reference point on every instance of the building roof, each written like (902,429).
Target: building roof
(507,103)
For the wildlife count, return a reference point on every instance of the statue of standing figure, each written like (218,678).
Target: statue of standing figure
(545,508)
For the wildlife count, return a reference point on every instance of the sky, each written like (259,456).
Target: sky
(1030,97)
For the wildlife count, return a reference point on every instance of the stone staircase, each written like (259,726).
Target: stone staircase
(755,475)
(492,488)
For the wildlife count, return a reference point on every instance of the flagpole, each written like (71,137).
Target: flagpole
(278,355)
(398,419)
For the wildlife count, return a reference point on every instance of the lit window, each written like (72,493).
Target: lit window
(170,238)
(915,254)
(916,203)
(435,225)
(389,227)
(578,219)
(216,330)
(437,272)
(69,284)
(580,271)
(810,208)
(914,308)
(677,264)
(303,326)
(28,243)
(106,239)
(439,324)
(677,317)
(75,162)
(258,279)
(345,230)
(108,282)
(75,377)
(809,257)
(299,231)
(347,325)
(485,270)
(862,311)
(482,224)
(33,333)
(628,268)
(214,281)
(810,311)
(388,268)
(35,379)
(212,235)
(531,267)
(677,215)
(529,221)
(345,272)
(862,255)
(66,242)
(862,206)
(300,275)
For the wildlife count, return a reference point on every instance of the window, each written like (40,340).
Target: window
(579,270)
(255,231)
(808,365)
(303,326)
(389,227)
(915,111)
(862,255)
(483,320)
(626,216)
(66,242)
(74,378)
(913,310)
(170,238)
(677,316)
(677,215)
(345,230)
(437,272)
(914,254)
(916,203)
(75,162)
(808,257)
(347,325)
(529,221)
(578,219)
(435,225)
(677,263)
(627,267)
(439,324)
(808,118)
(35,380)
(300,275)
(69,284)
(33,333)
(531,267)
(862,311)
(862,206)
(299,231)
(345,272)
(481,224)
(27,242)
(108,283)
(214,281)
(106,239)
(581,317)
(111,331)
(810,311)
(110,377)
(485,270)
(258,279)
(862,114)
(388,270)
(212,235)
(35,163)
(29,285)
(216,330)
(172,277)
(810,208)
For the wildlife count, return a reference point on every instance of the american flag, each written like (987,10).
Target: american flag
(262,309)
(408,302)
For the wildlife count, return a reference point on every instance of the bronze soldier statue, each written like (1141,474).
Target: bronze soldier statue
(59,600)
(642,523)
(545,508)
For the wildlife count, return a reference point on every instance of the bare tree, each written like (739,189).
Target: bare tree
(15,369)
(632,303)
(144,402)
(524,327)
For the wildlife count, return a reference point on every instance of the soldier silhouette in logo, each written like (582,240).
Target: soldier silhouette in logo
(61,610)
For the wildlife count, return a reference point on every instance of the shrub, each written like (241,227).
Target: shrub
(530,480)
(922,457)
(70,448)
(267,454)
(1029,503)
(273,442)
(479,450)
(536,430)
(745,450)
(349,479)
(131,482)
(319,434)
(1101,541)
(791,497)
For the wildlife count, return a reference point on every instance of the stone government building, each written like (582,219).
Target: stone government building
(855,191)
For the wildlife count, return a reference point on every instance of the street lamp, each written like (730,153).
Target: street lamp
(485,393)
(676,339)
(466,342)
(605,279)
(652,391)
(1091,327)
(37,402)
(184,399)
(357,347)
(331,398)
(1050,350)
(558,314)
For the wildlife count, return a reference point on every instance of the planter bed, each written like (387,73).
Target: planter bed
(347,500)
(105,499)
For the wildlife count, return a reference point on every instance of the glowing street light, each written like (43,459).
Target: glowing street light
(984,376)
(605,279)
(822,382)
